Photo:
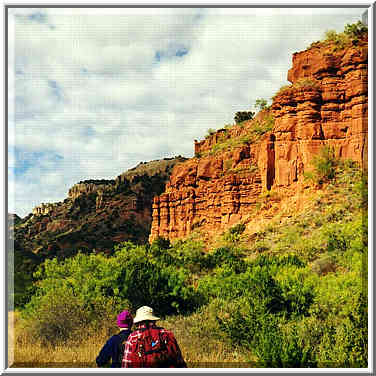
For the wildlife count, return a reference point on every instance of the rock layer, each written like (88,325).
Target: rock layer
(97,214)
(326,105)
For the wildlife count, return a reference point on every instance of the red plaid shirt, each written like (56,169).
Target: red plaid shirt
(131,358)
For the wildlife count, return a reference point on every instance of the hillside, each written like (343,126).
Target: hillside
(96,215)
(325,106)
(290,293)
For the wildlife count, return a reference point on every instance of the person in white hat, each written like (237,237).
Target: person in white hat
(150,345)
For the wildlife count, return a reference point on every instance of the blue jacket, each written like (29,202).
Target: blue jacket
(112,350)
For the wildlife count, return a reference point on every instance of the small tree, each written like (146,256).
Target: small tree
(243,116)
(209,132)
(356,29)
(261,104)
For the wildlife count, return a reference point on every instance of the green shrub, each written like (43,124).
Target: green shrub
(350,35)
(277,348)
(261,104)
(237,229)
(190,255)
(306,83)
(324,166)
(228,259)
(241,116)
(210,132)
(133,274)
(356,29)
(62,315)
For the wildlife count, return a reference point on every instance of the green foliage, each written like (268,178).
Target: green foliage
(131,275)
(24,265)
(301,303)
(261,104)
(356,29)
(241,116)
(227,258)
(350,35)
(264,126)
(209,132)
(278,348)
(233,234)
(306,83)
(340,40)
(324,165)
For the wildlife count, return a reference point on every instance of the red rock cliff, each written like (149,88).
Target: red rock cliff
(326,104)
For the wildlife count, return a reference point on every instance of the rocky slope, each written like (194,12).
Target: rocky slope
(97,214)
(325,105)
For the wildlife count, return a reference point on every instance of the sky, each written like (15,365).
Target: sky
(93,92)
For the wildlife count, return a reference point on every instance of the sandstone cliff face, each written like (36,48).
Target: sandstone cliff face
(325,105)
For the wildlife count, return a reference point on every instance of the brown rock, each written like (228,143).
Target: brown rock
(215,192)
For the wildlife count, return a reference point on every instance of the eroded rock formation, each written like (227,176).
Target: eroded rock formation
(326,104)
(97,214)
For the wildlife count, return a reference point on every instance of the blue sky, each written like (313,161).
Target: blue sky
(93,92)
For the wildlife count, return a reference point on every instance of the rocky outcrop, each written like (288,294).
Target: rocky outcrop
(325,105)
(44,209)
(211,192)
(90,186)
(97,214)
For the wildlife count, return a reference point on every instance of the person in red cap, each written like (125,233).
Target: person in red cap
(114,347)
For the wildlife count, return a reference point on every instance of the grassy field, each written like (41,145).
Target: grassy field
(198,350)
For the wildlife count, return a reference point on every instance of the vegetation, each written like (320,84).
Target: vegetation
(241,116)
(266,125)
(261,104)
(324,166)
(350,36)
(292,294)
(210,132)
(305,83)
(226,141)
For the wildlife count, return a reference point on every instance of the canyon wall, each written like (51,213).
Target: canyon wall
(97,214)
(325,105)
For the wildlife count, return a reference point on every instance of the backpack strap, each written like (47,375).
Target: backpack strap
(123,336)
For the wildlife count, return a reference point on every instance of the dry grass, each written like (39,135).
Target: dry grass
(199,349)
(29,353)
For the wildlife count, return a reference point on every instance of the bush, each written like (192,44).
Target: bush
(351,34)
(278,348)
(210,132)
(61,316)
(85,283)
(356,29)
(241,116)
(190,255)
(324,166)
(261,104)
(227,259)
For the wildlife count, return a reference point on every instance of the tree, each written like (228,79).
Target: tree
(243,115)
(261,104)
(356,29)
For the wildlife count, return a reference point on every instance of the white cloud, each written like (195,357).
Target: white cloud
(103,88)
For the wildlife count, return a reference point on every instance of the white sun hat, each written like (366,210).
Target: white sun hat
(145,313)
